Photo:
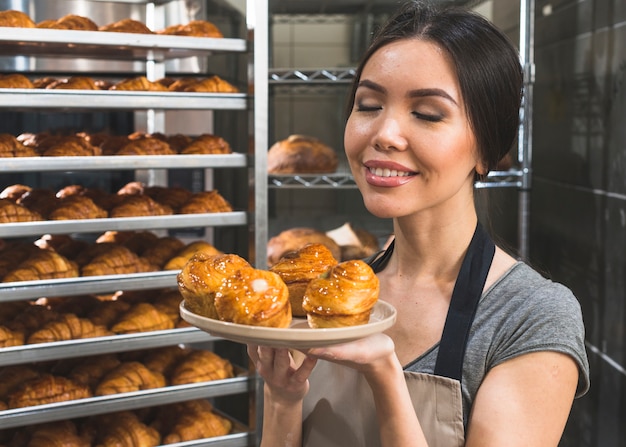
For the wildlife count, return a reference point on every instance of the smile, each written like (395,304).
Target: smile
(384,172)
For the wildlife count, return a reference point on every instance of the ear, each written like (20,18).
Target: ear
(481,168)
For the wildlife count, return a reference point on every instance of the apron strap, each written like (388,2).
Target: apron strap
(465,297)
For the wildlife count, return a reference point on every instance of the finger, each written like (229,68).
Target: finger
(304,371)
(252,352)
(282,360)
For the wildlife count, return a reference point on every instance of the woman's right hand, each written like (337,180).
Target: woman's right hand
(286,380)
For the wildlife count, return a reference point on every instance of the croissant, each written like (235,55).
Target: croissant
(15,80)
(56,434)
(45,264)
(178,141)
(10,337)
(201,366)
(195,28)
(293,239)
(207,144)
(194,420)
(163,360)
(13,376)
(213,84)
(135,241)
(16,19)
(162,250)
(63,244)
(77,207)
(124,429)
(202,275)
(73,83)
(115,261)
(71,146)
(206,202)
(343,297)
(71,22)
(298,268)
(68,327)
(174,197)
(32,318)
(139,205)
(140,83)
(11,147)
(90,371)
(146,146)
(45,390)
(254,297)
(108,312)
(142,317)
(168,302)
(14,212)
(184,255)
(127,26)
(128,377)
(38,200)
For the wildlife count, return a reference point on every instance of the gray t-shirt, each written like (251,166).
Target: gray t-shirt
(520,313)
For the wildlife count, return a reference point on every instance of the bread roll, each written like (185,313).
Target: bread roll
(301,154)
(295,238)
(298,268)
(343,297)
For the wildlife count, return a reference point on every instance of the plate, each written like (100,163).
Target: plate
(299,335)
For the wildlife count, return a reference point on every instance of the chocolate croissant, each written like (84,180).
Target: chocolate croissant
(201,366)
(254,297)
(128,377)
(68,327)
(142,317)
(342,297)
(298,268)
(202,275)
(45,390)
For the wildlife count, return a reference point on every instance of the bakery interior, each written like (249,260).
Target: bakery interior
(560,201)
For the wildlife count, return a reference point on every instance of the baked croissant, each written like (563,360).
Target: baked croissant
(213,84)
(139,205)
(116,260)
(14,212)
(47,389)
(11,377)
(183,256)
(90,371)
(293,239)
(38,200)
(146,146)
(140,83)
(202,275)
(11,147)
(194,420)
(254,297)
(298,268)
(206,202)
(164,249)
(124,429)
(77,207)
(163,360)
(201,366)
(45,264)
(32,318)
(128,377)
(74,83)
(168,302)
(108,312)
(63,244)
(9,337)
(71,22)
(174,197)
(142,317)
(342,297)
(16,19)
(15,80)
(195,28)
(207,144)
(71,146)
(68,327)
(56,434)
(127,26)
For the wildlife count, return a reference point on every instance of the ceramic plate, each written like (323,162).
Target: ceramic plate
(298,335)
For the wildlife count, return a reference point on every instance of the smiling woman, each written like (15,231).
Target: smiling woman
(485,351)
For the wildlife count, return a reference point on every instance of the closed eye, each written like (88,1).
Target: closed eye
(429,118)
(367,108)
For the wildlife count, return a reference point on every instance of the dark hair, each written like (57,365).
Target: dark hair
(487,66)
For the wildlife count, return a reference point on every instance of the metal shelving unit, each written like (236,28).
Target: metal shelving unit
(154,50)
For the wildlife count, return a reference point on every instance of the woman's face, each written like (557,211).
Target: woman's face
(408,140)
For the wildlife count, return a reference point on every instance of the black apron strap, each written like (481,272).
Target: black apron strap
(377,261)
(465,297)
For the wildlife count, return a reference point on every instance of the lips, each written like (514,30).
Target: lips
(387,174)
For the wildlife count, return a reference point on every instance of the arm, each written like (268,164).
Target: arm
(285,386)
(524,401)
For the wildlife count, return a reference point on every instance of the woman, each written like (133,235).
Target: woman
(485,351)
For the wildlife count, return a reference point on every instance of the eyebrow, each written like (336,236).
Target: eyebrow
(418,93)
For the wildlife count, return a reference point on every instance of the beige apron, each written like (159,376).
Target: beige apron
(339,409)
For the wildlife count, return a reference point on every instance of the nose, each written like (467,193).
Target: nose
(389,135)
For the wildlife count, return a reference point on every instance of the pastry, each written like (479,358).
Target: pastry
(108,312)
(128,377)
(11,147)
(298,268)
(254,297)
(38,200)
(164,248)
(213,84)
(13,212)
(70,146)
(56,434)
(124,429)
(73,83)
(71,22)
(127,26)
(163,360)
(301,154)
(142,317)
(140,83)
(45,264)
(46,389)
(13,376)
(9,337)
(76,207)
(206,202)
(168,302)
(201,366)
(90,371)
(139,205)
(15,80)
(355,244)
(207,144)
(146,146)
(61,243)
(193,420)
(115,260)
(68,327)
(32,318)
(342,297)
(174,197)
(296,238)
(202,275)
(16,19)
(183,256)
(195,28)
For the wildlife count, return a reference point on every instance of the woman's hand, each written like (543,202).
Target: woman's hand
(285,379)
